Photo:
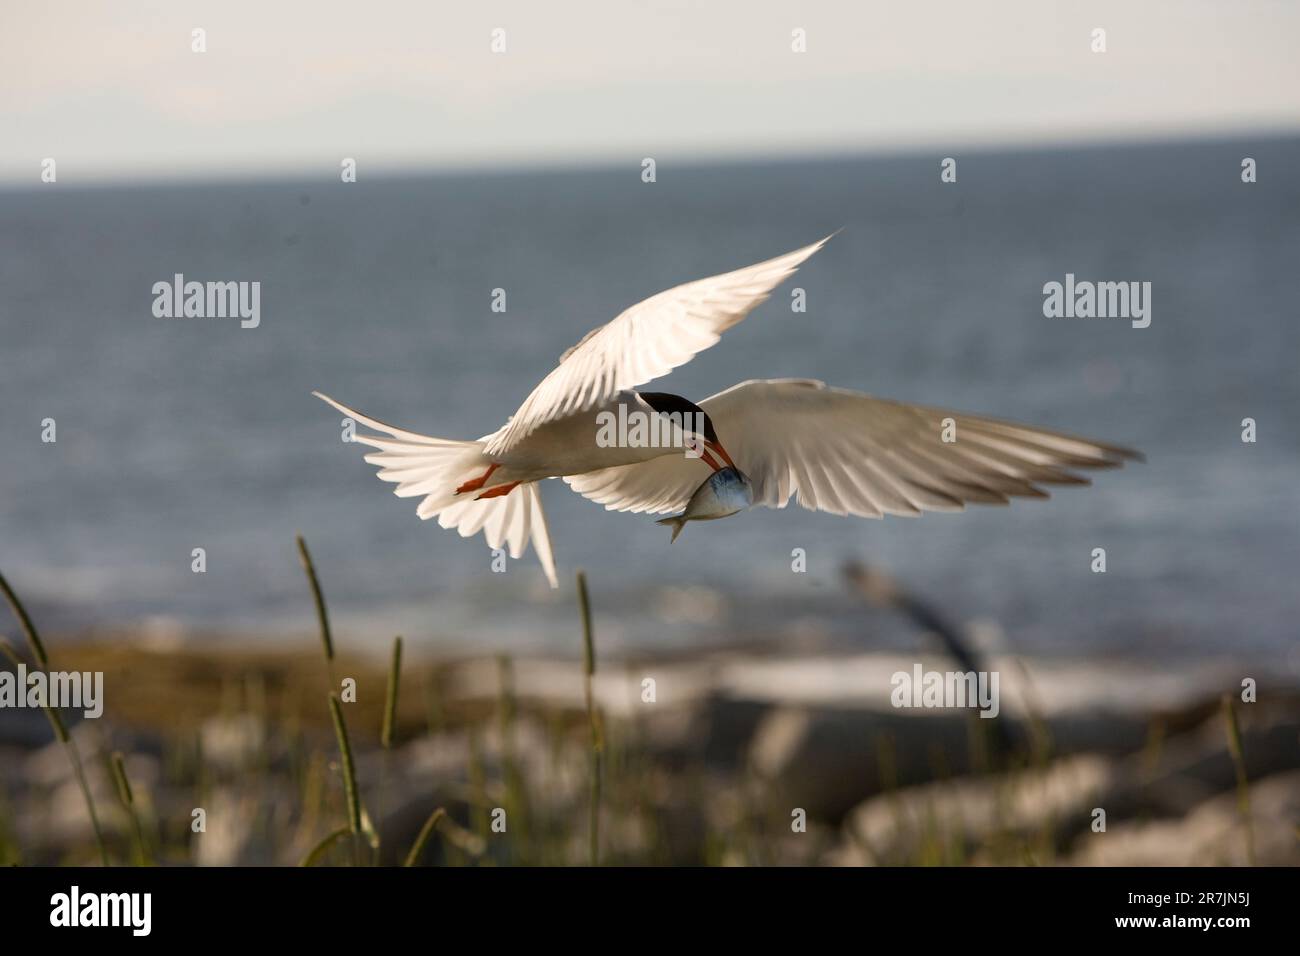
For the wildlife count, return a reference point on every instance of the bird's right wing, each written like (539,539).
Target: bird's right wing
(646,341)
(848,453)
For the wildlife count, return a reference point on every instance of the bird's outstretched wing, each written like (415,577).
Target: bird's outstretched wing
(848,453)
(646,341)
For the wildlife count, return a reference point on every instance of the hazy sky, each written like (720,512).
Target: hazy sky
(112,89)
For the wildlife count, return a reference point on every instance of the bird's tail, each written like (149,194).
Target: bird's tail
(513,519)
(433,468)
(677,523)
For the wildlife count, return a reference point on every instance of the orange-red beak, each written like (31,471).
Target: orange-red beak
(721,452)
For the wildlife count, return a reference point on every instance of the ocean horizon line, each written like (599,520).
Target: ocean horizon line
(401,171)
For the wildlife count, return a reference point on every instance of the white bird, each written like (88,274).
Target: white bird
(836,450)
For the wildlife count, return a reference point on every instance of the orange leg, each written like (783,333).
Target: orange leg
(474,484)
(499,491)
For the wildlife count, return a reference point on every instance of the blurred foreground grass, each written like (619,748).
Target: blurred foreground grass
(247,755)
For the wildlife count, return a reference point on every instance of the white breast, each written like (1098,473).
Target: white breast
(623,431)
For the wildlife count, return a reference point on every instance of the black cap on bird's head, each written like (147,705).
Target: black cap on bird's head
(666,403)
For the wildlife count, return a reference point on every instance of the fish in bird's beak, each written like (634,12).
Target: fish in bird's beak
(723,493)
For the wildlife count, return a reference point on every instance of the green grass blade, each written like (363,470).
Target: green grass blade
(25,622)
(597,744)
(322,616)
(426,831)
(125,794)
(52,715)
(323,847)
(1243,784)
(349,766)
(390,699)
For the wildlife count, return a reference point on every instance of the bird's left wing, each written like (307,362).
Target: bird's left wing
(646,341)
(848,453)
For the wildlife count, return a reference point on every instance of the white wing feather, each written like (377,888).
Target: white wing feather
(421,466)
(646,341)
(848,453)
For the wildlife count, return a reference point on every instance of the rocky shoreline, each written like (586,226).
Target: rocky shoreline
(728,757)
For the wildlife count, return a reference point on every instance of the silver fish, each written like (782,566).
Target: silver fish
(723,493)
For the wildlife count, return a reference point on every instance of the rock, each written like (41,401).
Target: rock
(1213,834)
(719,730)
(408,784)
(231,742)
(230,828)
(829,758)
(1054,807)
(955,818)
(1192,767)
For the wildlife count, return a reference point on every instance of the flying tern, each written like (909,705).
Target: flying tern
(833,449)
